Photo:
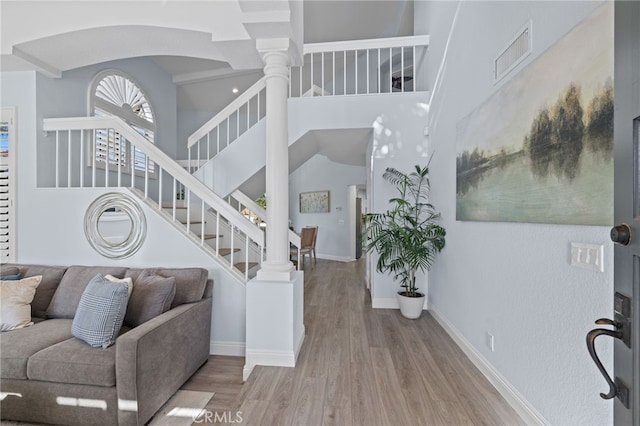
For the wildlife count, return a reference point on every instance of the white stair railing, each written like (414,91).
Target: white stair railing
(359,67)
(225,127)
(196,211)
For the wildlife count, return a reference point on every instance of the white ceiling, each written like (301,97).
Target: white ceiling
(205,73)
(178,35)
(336,20)
(205,85)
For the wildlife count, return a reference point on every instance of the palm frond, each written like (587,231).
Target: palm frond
(406,236)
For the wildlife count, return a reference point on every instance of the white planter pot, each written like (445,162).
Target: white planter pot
(411,307)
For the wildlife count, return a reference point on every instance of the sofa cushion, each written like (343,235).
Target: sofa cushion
(152,295)
(73,361)
(190,282)
(18,345)
(9,270)
(15,302)
(100,312)
(67,297)
(51,276)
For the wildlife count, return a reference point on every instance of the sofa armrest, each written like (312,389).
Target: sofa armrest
(154,359)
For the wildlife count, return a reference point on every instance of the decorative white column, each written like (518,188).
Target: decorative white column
(275,298)
(277,266)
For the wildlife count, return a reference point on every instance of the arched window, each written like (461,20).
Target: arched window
(113,93)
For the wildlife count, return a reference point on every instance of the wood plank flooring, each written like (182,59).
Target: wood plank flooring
(357,366)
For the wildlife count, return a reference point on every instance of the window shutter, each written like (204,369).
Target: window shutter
(7,187)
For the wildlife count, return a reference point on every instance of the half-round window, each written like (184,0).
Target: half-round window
(113,93)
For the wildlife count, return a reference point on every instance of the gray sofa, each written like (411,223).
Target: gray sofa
(48,376)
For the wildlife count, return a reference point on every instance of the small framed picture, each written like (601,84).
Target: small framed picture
(314,202)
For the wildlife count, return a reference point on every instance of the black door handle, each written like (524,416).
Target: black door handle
(591,339)
(621,234)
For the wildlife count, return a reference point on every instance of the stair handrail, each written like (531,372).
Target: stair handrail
(243,199)
(167,163)
(217,119)
(365,44)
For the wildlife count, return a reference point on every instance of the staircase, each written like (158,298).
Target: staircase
(207,220)
(188,198)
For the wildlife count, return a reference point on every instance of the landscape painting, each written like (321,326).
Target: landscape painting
(540,150)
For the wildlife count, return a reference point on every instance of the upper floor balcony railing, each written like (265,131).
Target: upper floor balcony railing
(345,68)
(361,67)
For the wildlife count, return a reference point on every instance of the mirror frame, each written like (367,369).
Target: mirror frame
(136,236)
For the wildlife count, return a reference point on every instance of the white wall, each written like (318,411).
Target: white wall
(319,174)
(513,280)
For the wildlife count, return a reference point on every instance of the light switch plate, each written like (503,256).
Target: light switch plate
(588,256)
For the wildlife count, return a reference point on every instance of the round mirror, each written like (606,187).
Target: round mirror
(115,225)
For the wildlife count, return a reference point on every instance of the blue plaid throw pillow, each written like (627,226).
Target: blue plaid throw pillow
(100,312)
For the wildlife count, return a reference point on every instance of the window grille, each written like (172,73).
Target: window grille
(113,93)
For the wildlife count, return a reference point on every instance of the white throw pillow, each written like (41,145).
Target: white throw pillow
(127,280)
(15,302)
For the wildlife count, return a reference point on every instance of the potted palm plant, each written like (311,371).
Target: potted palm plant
(406,237)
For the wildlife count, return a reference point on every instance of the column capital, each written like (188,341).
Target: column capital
(276,63)
(275,51)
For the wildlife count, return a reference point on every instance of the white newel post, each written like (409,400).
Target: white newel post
(274,328)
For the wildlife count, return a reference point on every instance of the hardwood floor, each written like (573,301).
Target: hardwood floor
(357,366)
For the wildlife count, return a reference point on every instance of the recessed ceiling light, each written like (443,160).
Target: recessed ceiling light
(234,90)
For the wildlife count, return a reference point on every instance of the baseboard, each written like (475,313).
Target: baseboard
(525,410)
(270,358)
(390,303)
(226,348)
(334,258)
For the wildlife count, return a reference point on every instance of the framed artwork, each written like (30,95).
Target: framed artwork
(314,202)
(540,149)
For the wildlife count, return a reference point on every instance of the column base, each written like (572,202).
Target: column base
(274,329)
(272,271)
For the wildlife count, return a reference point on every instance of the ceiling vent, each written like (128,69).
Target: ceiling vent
(514,53)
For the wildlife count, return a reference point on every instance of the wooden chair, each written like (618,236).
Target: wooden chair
(307,245)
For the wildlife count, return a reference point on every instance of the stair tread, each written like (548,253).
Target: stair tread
(241,265)
(227,251)
(211,236)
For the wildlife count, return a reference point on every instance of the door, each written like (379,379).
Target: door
(7,185)
(624,386)
(627,200)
